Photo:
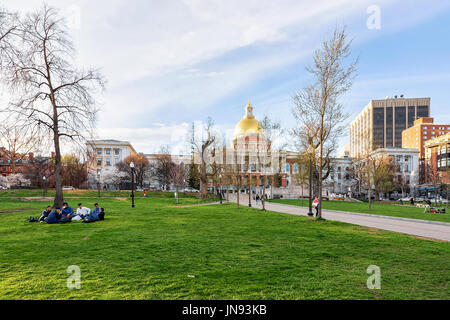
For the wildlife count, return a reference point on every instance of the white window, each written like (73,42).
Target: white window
(116,152)
(108,151)
(108,161)
(99,161)
(99,151)
(116,160)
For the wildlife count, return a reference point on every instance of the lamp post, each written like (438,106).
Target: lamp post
(310,151)
(249,192)
(132,183)
(44,179)
(98,183)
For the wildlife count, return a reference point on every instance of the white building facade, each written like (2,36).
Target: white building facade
(407,161)
(105,154)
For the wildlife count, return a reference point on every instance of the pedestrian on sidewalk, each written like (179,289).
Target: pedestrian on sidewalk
(316,205)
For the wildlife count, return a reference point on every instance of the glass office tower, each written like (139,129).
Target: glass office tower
(381,123)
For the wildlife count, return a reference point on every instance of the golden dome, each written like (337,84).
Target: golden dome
(248,125)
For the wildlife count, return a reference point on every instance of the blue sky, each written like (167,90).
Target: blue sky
(171,63)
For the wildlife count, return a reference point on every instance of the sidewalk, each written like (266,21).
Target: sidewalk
(420,228)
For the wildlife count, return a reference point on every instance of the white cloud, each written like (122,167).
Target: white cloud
(179,58)
(148,140)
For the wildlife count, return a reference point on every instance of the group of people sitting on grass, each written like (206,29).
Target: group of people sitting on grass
(66,214)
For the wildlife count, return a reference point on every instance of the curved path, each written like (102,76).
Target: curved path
(420,228)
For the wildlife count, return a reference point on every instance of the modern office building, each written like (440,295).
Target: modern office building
(437,158)
(415,137)
(381,123)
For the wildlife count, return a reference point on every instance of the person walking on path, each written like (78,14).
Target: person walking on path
(316,205)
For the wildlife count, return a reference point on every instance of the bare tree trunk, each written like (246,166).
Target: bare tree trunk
(204,180)
(58,181)
(321,163)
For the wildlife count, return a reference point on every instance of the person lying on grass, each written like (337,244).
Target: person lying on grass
(53,217)
(45,213)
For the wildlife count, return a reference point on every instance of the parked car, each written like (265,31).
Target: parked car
(189,189)
(65,188)
(3,188)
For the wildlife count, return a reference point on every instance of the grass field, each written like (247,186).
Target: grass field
(160,251)
(393,210)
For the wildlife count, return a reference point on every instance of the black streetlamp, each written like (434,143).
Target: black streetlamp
(249,192)
(132,183)
(44,179)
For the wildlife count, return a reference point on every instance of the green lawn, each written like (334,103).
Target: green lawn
(160,251)
(393,210)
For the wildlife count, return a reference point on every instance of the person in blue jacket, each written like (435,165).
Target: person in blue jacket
(93,216)
(54,216)
(67,211)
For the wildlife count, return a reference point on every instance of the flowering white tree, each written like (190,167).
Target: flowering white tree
(17,180)
(115,177)
(3,181)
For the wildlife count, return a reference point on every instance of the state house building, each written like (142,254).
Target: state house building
(381,123)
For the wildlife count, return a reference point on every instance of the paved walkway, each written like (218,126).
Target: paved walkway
(420,228)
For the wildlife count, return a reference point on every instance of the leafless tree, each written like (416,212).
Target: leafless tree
(9,31)
(364,165)
(50,94)
(162,166)
(19,142)
(202,146)
(274,139)
(178,175)
(141,167)
(319,102)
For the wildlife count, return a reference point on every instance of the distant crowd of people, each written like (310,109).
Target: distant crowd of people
(66,214)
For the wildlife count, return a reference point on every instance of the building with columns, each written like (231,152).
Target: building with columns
(251,156)
(104,155)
